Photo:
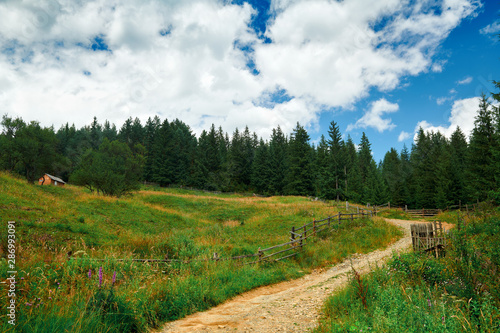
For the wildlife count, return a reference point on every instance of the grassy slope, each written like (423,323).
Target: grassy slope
(419,293)
(55,294)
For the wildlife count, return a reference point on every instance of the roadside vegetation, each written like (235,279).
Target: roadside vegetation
(58,294)
(419,293)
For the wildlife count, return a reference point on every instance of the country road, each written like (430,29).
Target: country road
(291,306)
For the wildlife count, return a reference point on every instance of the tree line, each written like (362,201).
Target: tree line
(434,173)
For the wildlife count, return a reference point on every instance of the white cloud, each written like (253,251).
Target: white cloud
(492,28)
(180,59)
(403,136)
(466,80)
(463,113)
(373,117)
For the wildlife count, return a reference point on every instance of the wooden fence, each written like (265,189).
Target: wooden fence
(429,237)
(423,212)
(298,238)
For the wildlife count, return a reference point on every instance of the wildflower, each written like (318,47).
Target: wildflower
(100,276)
(90,273)
(29,304)
(429,302)
(114,277)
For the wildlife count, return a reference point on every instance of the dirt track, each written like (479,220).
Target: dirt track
(291,306)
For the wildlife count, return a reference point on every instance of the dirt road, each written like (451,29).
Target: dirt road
(291,306)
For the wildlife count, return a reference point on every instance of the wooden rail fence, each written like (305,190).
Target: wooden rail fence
(298,238)
(429,237)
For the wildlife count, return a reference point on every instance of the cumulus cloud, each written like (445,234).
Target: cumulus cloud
(462,115)
(373,117)
(201,61)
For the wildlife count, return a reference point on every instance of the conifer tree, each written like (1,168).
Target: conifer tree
(261,170)
(321,168)
(353,182)
(457,175)
(299,179)
(336,162)
(279,162)
(480,157)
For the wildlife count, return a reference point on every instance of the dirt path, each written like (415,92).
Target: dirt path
(291,306)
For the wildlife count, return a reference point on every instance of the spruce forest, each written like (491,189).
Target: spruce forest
(435,172)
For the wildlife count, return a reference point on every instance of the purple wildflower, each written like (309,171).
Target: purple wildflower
(100,276)
(114,277)
(429,302)
(29,304)
(90,273)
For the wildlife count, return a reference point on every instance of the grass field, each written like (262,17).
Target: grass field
(55,294)
(420,293)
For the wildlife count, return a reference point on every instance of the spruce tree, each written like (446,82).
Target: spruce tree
(480,158)
(457,176)
(336,162)
(279,162)
(299,180)
(261,169)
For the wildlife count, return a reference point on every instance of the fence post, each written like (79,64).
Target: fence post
(329,222)
(346,206)
(352,217)
(261,254)
(406,208)
(314,227)
(293,235)
(340,217)
(304,233)
(358,209)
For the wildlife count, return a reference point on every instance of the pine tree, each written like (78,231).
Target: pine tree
(406,174)
(321,168)
(299,179)
(353,182)
(95,134)
(391,172)
(150,133)
(261,169)
(368,171)
(457,176)
(279,162)
(336,162)
(480,157)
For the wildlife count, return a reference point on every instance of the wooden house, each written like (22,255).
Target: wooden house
(50,180)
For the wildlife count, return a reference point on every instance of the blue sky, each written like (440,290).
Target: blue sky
(384,67)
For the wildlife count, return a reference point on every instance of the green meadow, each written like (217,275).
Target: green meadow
(417,292)
(61,231)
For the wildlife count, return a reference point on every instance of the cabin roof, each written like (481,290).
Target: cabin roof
(56,178)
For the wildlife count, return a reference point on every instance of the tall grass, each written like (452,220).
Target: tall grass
(419,293)
(55,294)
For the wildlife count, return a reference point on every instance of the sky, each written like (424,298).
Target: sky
(382,67)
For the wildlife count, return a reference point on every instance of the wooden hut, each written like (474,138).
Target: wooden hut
(51,180)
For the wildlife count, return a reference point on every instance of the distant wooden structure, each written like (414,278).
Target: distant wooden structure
(50,180)
(429,237)
(423,212)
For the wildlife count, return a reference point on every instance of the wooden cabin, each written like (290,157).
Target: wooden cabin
(51,180)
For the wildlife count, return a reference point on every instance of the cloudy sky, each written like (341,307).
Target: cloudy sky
(382,67)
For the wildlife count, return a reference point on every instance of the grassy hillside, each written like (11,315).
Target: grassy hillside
(55,294)
(419,293)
